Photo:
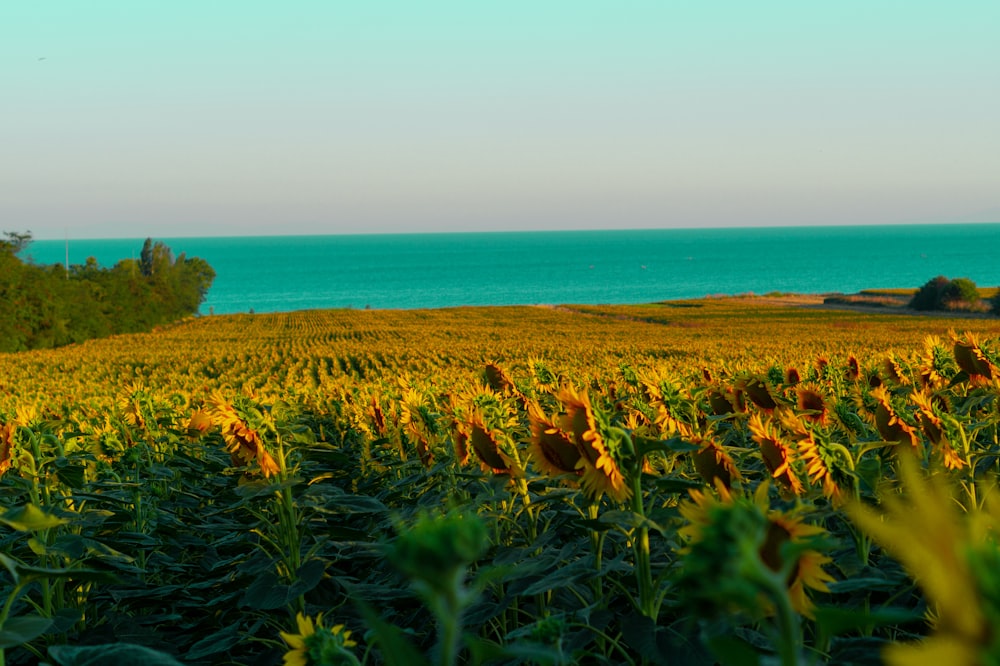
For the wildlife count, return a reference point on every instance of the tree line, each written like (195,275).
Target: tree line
(45,306)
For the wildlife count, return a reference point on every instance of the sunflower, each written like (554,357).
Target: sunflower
(933,427)
(484,443)
(719,402)
(890,426)
(759,392)
(552,450)
(812,401)
(601,472)
(893,372)
(853,372)
(820,462)
(129,402)
(721,532)
(713,463)
(198,424)
(970,358)
(778,455)
(315,644)
(243,442)
(931,362)
(945,553)
(8,431)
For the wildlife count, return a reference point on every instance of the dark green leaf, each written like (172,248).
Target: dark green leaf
(22,629)
(115,654)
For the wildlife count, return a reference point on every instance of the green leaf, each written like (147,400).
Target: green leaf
(395,647)
(220,641)
(672,445)
(677,485)
(19,630)
(114,654)
(630,519)
(521,653)
(20,571)
(732,651)
(70,474)
(29,518)
(834,621)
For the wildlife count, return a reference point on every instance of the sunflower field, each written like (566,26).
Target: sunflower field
(716,481)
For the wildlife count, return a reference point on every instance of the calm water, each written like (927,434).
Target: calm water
(270,274)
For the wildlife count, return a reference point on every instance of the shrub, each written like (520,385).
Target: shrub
(941,293)
(966,290)
(996,302)
(934,294)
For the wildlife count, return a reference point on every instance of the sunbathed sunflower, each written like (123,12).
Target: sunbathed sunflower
(601,472)
(812,403)
(822,465)
(713,462)
(492,458)
(890,426)
(853,372)
(952,557)
(243,442)
(552,450)
(318,645)
(757,389)
(933,427)
(8,431)
(130,402)
(777,454)
(970,357)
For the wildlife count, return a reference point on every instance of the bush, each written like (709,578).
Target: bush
(944,294)
(966,290)
(933,295)
(996,302)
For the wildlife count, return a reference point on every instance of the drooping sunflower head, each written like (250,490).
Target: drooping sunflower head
(777,453)
(8,433)
(893,372)
(757,389)
(714,464)
(602,471)
(853,372)
(498,379)
(243,438)
(972,359)
(889,423)
(485,443)
(792,376)
(812,403)
(553,451)
(929,409)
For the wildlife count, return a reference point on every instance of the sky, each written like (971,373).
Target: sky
(135,118)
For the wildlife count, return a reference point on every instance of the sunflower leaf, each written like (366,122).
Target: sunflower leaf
(18,630)
(30,518)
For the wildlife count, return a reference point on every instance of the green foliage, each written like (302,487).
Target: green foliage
(966,290)
(48,306)
(941,293)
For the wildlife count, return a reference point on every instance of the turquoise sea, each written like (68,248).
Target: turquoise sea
(281,273)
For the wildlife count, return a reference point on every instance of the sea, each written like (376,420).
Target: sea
(408,271)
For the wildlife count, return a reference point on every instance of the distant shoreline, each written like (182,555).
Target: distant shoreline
(821,302)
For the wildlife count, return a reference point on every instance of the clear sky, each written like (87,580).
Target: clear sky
(134,118)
